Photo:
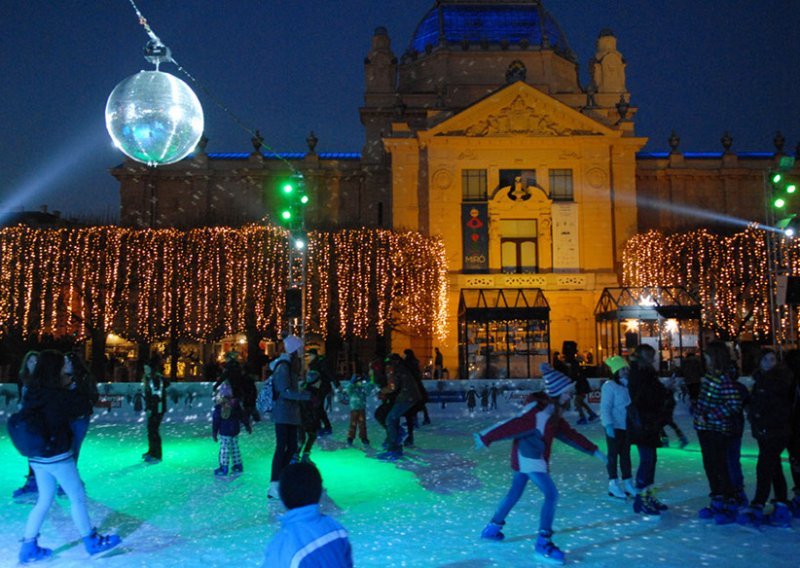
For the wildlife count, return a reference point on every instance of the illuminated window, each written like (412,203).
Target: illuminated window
(561,185)
(518,254)
(473,185)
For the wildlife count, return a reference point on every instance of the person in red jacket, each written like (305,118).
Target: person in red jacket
(532,432)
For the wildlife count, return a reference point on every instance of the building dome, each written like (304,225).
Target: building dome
(520,22)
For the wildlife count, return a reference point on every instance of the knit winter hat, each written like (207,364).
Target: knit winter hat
(292,343)
(616,363)
(555,382)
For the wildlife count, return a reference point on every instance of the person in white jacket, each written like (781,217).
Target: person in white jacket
(614,401)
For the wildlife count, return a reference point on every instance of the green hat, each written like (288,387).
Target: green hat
(616,363)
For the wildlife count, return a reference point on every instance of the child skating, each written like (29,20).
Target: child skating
(532,432)
(227,418)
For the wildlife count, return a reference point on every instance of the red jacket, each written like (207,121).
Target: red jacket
(532,432)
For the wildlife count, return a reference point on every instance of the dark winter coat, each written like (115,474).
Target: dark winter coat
(59,406)
(771,403)
(155,393)
(575,372)
(650,401)
(286,407)
(405,386)
(232,425)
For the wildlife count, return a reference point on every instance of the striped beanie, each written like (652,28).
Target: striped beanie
(555,382)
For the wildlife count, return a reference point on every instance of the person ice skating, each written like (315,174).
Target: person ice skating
(472,399)
(734,454)
(310,415)
(717,405)
(646,415)
(48,396)
(357,391)
(24,376)
(82,381)
(306,537)
(155,396)
(412,363)
(770,413)
(326,384)
(485,399)
(226,421)
(404,387)
(438,364)
(286,408)
(493,395)
(532,432)
(692,371)
(614,401)
(242,384)
(669,410)
(575,372)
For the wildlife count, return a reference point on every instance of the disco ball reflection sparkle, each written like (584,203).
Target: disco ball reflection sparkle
(154,118)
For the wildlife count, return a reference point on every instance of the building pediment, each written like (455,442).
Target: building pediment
(519,110)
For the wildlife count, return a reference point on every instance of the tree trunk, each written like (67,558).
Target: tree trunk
(98,358)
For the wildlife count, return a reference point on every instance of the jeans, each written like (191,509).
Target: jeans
(734,455)
(79,428)
(619,447)
(285,448)
(393,425)
(769,471)
(545,484)
(716,451)
(65,474)
(646,474)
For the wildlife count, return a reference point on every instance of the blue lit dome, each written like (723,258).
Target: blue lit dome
(476,22)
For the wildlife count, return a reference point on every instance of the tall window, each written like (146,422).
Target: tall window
(518,253)
(561,185)
(473,185)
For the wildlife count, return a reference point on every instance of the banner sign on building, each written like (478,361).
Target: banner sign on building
(475,227)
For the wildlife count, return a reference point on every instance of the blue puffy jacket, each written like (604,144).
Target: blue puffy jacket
(307,539)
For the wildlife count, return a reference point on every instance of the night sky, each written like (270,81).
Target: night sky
(287,67)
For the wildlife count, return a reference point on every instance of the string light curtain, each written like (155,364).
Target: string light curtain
(203,284)
(728,274)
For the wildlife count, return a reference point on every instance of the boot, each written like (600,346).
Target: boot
(684,441)
(390,455)
(650,495)
(493,531)
(32,552)
(28,489)
(221,471)
(273,492)
(238,468)
(546,551)
(728,513)
(781,516)
(714,507)
(97,543)
(643,506)
(615,490)
(752,515)
(630,489)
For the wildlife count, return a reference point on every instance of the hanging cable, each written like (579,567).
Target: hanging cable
(156,52)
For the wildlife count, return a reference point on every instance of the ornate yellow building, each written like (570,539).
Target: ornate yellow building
(480,133)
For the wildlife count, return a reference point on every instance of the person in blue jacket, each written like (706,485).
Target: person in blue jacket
(307,538)
(226,421)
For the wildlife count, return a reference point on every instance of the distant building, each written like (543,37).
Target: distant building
(482,133)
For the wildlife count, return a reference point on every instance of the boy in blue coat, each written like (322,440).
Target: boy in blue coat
(307,538)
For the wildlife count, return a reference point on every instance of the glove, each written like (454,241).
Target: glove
(600,456)
(214,437)
(479,445)
(610,431)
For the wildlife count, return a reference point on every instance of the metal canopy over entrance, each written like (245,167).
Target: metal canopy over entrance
(669,319)
(502,333)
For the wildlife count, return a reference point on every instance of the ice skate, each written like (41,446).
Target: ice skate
(493,531)
(237,469)
(29,489)
(714,507)
(780,516)
(31,552)
(753,516)
(390,455)
(615,489)
(97,543)
(630,489)
(643,506)
(728,513)
(548,552)
(273,493)
(221,471)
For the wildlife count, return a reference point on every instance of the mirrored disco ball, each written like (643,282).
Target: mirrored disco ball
(154,118)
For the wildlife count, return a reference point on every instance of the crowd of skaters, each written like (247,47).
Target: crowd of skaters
(635,408)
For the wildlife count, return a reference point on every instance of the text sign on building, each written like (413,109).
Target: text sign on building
(566,252)
(475,228)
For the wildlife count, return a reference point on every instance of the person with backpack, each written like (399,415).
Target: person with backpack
(286,396)
(47,409)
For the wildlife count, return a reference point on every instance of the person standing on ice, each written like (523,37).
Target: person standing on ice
(49,397)
(286,407)
(614,401)
(403,385)
(24,376)
(472,399)
(155,386)
(533,431)
(226,420)
(646,416)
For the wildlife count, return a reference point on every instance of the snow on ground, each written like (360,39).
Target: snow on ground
(424,511)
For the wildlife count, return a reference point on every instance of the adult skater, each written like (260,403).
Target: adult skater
(770,419)
(646,416)
(714,419)
(532,432)
(24,376)
(49,396)
(155,386)
(578,376)
(286,408)
(614,401)
(403,385)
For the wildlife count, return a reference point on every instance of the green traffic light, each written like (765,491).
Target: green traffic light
(288,188)
(791,188)
(780,203)
(304,199)
(286,215)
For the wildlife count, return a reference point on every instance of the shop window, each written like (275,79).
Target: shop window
(561,185)
(473,185)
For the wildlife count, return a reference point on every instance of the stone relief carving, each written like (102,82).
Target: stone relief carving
(518,118)
(443,179)
(478,281)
